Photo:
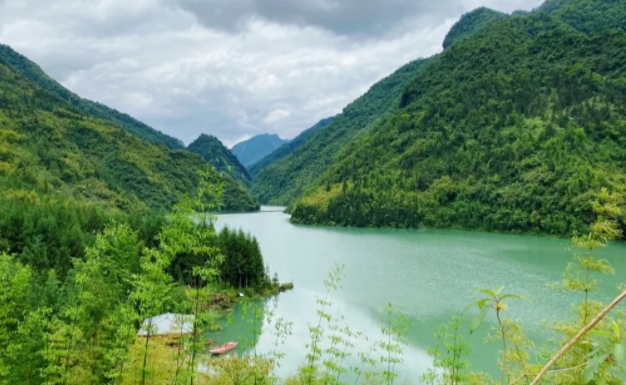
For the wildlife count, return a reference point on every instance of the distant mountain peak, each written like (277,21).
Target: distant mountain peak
(256,148)
(213,151)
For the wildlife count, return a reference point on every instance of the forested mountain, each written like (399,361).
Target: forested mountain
(254,149)
(215,153)
(285,180)
(285,149)
(34,73)
(515,128)
(472,22)
(588,16)
(50,147)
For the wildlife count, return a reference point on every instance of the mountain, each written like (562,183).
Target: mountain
(515,128)
(472,22)
(285,149)
(285,180)
(254,149)
(33,72)
(51,148)
(215,153)
(588,16)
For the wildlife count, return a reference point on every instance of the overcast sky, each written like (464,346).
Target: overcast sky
(231,68)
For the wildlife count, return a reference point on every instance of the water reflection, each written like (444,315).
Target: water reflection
(430,274)
(300,307)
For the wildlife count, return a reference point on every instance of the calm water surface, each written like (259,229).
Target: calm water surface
(430,274)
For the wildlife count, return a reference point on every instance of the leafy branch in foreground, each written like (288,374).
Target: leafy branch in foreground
(498,302)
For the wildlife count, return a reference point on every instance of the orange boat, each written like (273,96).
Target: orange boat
(224,348)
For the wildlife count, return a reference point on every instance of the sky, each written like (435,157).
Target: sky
(230,68)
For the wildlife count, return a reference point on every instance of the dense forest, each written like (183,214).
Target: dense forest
(77,280)
(213,151)
(55,144)
(255,169)
(472,22)
(514,128)
(285,180)
(256,148)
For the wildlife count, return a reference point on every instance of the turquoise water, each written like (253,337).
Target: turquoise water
(430,274)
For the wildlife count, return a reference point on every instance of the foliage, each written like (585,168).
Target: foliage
(213,152)
(50,143)
(50,146)
(588,16)
(498,302)
(243,266)
(254,149)
(516,128)
(450,363)
(471,22)
(255,169)
(80,279)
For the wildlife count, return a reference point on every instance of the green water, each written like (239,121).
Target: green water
(430,274)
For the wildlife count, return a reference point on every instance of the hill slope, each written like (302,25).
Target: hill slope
(285,180)
(49,146)
(254,149)
(515,128)
(215,153)
(588,16)
(286,149)
(34,73)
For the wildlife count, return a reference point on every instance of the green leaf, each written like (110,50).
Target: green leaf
(478,320)
(601,333)
(616,330)
(480,304)
(619,353)
(590,371)
(488,292)
(520,296)
(498,291)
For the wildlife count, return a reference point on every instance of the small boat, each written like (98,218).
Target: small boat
(224,348)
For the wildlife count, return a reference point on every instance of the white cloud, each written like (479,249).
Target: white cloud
(168,67)
(276,115)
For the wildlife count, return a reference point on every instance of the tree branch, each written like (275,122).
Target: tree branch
(550,372)
(578,336)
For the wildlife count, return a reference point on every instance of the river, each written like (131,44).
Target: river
(429,274)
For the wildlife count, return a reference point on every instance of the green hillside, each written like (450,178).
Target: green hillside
(34,73)
(256,148)
(215,153)
(588,16)
(285,180)
(286,149)
(515,128)
(50,147)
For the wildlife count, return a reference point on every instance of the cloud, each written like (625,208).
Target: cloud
(354,18)
(265,68)
(345,17)
(276,115)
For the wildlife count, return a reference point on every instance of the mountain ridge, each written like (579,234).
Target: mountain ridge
(516,128)
(286,149)
(285,180)
(213,151)
(256,148)
(50,147)
(33,72)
